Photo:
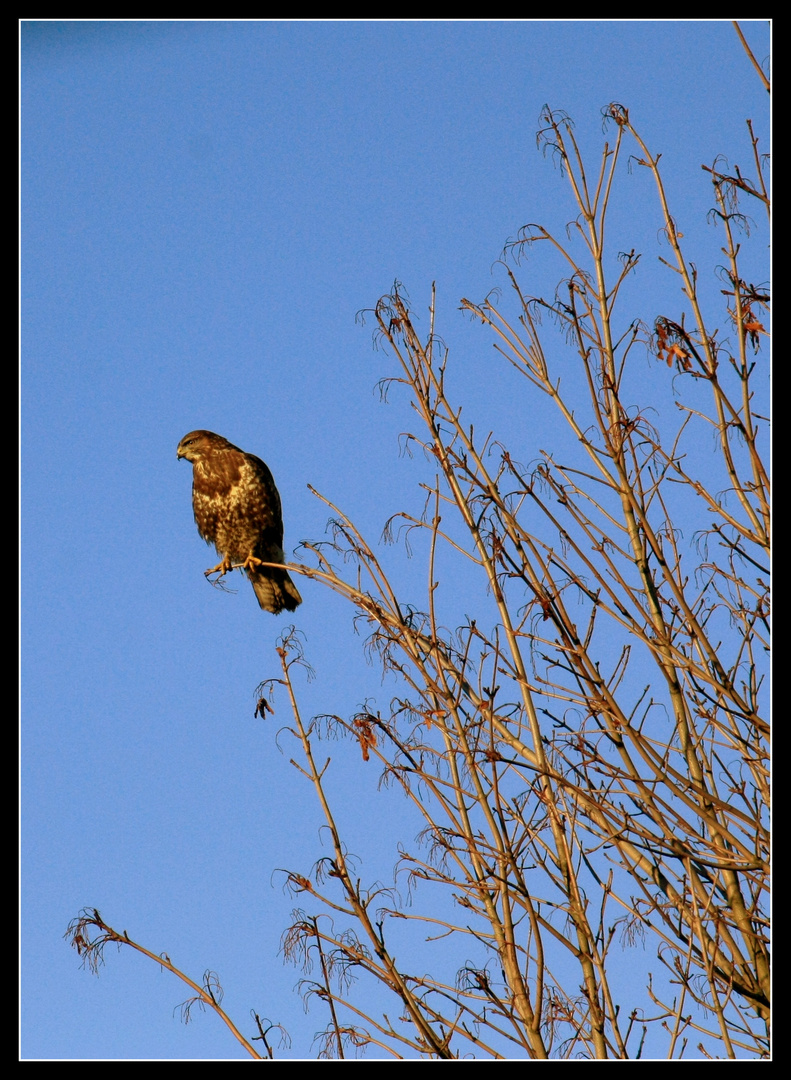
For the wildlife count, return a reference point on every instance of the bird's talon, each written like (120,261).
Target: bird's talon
(221,568)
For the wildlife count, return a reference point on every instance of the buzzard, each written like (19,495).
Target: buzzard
(237,508)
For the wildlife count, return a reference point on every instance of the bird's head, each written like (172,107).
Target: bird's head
(197,444)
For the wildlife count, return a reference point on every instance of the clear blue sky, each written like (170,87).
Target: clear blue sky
(205,208)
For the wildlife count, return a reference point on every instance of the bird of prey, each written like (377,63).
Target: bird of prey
(237,508)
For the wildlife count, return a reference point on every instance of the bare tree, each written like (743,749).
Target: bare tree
(587,753)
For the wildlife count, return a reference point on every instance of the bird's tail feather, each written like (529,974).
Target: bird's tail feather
(275,590)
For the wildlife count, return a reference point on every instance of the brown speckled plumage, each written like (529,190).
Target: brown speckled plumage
(237,508)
